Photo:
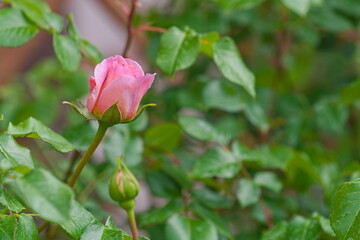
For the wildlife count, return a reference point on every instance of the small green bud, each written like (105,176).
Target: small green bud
(123,186)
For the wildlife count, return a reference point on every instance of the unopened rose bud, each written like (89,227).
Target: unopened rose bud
(123,186)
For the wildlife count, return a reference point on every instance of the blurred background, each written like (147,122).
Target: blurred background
(302,129)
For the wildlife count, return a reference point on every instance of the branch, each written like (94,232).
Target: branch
(149,28)
(130,30)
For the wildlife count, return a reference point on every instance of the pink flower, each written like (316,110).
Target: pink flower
(118,79)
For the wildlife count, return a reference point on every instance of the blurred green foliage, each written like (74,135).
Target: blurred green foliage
(256,128)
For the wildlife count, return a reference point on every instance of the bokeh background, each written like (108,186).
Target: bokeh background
(295,143)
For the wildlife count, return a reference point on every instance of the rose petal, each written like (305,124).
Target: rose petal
(135,68)
(119,66)
(93,95)
(101,71)
(92,83)
(128,91)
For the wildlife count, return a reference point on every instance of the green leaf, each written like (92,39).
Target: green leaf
(236,4)
(8,226)
(80,218)
(13,155)
(128,237)
(202,130)
(160,215)
(10,202)
(162,185)
(36,10)
(212,217)
(225,96)
(243,153)
(348,7)
(303,229)
(216,163)
(97,231)
(211,198)
(345,213)
(18,227)
(90,52)
(228,60)
(35,129)
(330,116)
(178,50)
(278,232)
(325,224)
(207,42)
(257,115)
(40,13)
(55,21)
(178,174)
(180,228)
(248,193)
(71,27)
(300,171)
(350,93)
(268,180)
(330,20)
(165,136)
(44,194)
(201,229)
(15,29)
(277,156)
(67,52)
(300,7)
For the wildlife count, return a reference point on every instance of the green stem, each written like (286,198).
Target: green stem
(89,152)
(133,225)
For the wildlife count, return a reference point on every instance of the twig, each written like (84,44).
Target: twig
(282,43)
(146,27)
(33,214)
(130,30)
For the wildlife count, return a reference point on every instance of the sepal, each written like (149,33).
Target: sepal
(81,109)
(142,108)
(112,115)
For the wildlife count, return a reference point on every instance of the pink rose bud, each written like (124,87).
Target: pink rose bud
(119,81)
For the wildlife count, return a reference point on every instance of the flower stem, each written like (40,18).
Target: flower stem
(132,222)
(89,152)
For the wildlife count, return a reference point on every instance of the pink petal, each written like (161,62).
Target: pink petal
(119,66)
(101,71)
(96,82)
(128,91)
(92,83)
(135,68)
(93,94)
